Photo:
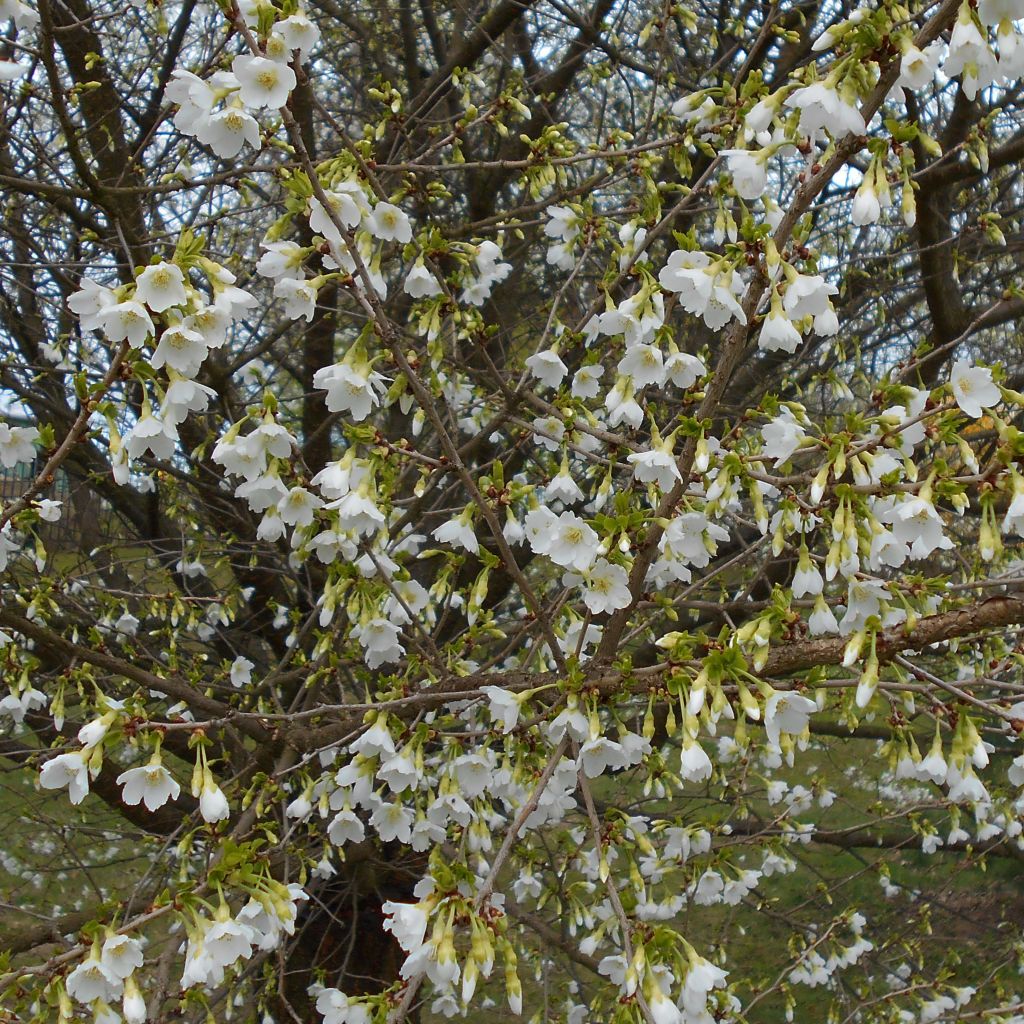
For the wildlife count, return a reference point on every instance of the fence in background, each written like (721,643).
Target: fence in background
(83,521)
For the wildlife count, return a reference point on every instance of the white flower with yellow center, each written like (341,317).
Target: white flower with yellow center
(973,387)
(389,224)
(212,322)
(420,282)
(262,82)
(343,206)
(607,587)
(349,389)
(299,33)
(299,297)
(126,321)
(574,544)
(644,363)
(786,713)
(298,507)
(70,770)
(280,259)
(587,381)
(121,955)
(778,334)
(89,302)
(547,367)
(227,131)
(161,286)
(181,348)
(655,467)
(152,784)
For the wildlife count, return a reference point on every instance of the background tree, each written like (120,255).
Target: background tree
(511,504)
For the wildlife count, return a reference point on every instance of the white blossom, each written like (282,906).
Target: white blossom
(161,286)
(151,784)
(973,388)
(262,82)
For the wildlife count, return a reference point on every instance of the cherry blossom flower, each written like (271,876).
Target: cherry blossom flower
(297,508)
(17,444)
(683,369)
(346,827)
(182,397)
(655,467)
(644,364)
(133,1005)
(916,522)
(262,82)
(213,805)
(262,493)
(969,55)
(337,1008)
(281,259)
(973,388)
(563,223)
(161,286)
(150,434)
(379,640)
(180,348)
(606,587)
(121,955)
(126,320)
(918,67)
(92,980)
(392,820)
(821,106)
(573,543)
(151,784)
(503,706)
(211,323)
(92,732)
(345,205)
(562,487)
(458,532)
(358,513)
(686,273)
(621,404)
(299,33)
(586,381)
(599,754)
(89,302)
(351,389)
(389,224)
(807,579)
(547,367)
(17,705)
(778,333)
(866,206)
(695,765)
(195,99)
(70,770)
(807,295)
(781,436)
(299,296)
(227,131)
(786,712)
(420,283)
(749,172)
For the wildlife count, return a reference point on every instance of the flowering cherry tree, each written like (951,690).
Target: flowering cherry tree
(513,507)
